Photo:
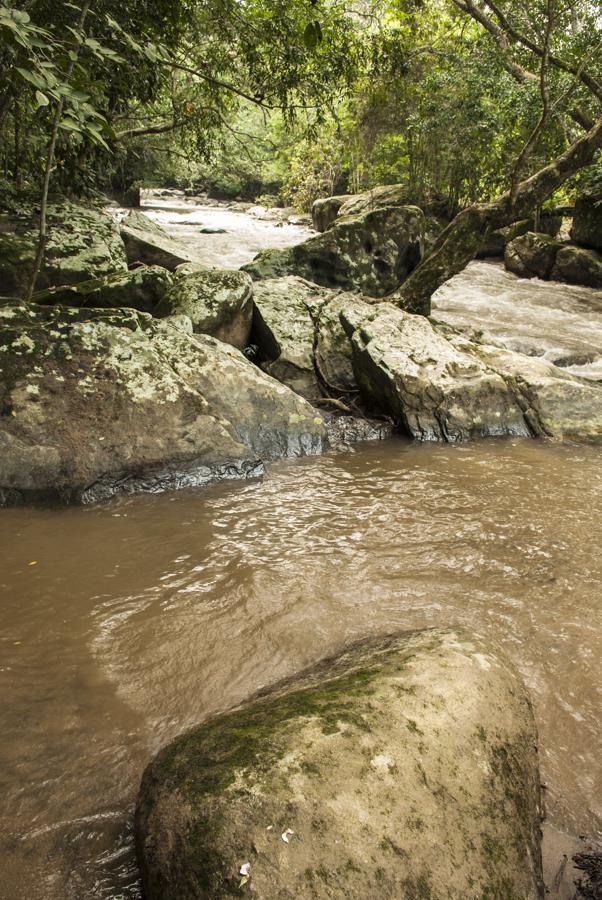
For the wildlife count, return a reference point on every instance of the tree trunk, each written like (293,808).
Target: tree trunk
(459,242)
(43,231)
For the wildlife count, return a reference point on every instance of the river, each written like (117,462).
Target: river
(124,623)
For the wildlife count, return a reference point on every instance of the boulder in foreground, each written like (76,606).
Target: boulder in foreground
(140,289)
(406,767)
(94,403)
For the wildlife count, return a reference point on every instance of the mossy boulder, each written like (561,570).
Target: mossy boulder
(437,385)
(300,338)
(532,255)
(372,254)
(383,195)
(284,331)
(97,402)
(587,221)
(325,210)
(147,242)
(405,767)
(578,265)
(219,303)
(83,243)
(140,289)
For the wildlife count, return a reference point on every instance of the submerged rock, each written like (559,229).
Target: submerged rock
(578,265)
(439,386)
(140,289)
(83,243)
(147,242)
(94,403)
(531,255)
(587,221)
(217,302)
(405,767)
(373,253)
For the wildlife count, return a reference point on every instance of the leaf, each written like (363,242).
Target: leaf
(33,78)
(70,125)
(310,36)
(42,99)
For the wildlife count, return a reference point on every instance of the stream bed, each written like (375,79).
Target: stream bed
(124,623)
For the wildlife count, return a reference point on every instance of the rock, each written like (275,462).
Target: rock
(587,222)
(325,210)
(434,391)
(332,348)
(531,255)
(385,195)
(83,243)
(578,265)
(405,767)
(439,386)
(301,341)
(343,431)
(372,254)
(140,289)
(96,402)
(209,229)
(147,242)
(283,330)
(555,403)
(495,243)
(217,302)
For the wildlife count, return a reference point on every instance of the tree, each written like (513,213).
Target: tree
(528,39)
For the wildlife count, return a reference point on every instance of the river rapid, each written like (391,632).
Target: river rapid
(124,623)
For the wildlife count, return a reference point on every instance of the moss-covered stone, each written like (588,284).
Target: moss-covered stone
(140,289)
(148,243)
(578,265)
(532,255)
(95,402)
(373,253)
(218,302)
(83,243)
(326,759)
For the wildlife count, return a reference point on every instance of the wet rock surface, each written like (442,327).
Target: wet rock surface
(94,403)
(218,303)
(406,766)
(578,265)
(372,253)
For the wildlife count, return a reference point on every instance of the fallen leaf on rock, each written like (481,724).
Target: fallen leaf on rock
(245,869)
(286,835)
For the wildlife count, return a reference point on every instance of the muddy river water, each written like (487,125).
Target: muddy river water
(122,624)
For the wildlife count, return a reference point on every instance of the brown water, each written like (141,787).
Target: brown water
(142,616)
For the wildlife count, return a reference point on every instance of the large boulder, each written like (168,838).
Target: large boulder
(83,243)
(140,289)
(147,242)
(439,386)
(325,210)
(373,253)
(94,402)
(531,255)
(284,331)
(587,221)
(578,265)
(384,195)
(301,341)
(218,302)
(405,767)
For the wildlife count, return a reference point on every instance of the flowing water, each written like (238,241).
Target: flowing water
(122,624)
